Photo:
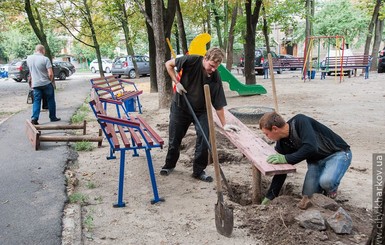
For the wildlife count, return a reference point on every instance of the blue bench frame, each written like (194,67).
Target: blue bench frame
(142,137)
(112,88)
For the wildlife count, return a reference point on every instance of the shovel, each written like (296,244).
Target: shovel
(224,218)
(197,123)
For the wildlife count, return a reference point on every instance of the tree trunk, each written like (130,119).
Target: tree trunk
(251,24)
(159,34)
(94,39)
(371,27)
(127,38)
(151,48)
(230,51)
(265,30)
(39,32)
(226,24)
(217,24)
(377,42)
(181,30)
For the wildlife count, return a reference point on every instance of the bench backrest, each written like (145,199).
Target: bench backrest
(349,61)
(295,62)
(121,133)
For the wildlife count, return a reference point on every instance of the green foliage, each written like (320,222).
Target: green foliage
(81,114)
(78,198)
(89,222)
(91,185)
(84,146)
(341,18)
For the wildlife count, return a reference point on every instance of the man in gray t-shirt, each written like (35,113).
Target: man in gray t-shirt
(41,78)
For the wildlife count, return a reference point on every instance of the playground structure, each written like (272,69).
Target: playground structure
(198,47)
(310,64)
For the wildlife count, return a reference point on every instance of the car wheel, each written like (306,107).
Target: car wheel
(62,75)
(17,79)
(108,70)
(381,69)
(132,74)
(93,70)
(279,71)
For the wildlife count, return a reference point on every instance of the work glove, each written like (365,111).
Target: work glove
(231,128)
(276,158)
(180,89)
(265,201)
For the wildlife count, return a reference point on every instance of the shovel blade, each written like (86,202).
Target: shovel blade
(224,219)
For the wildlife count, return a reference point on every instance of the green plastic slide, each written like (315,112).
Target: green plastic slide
(236,85)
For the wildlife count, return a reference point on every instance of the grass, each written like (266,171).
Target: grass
(91,185)
(81,113)
(84,146)
(78,198)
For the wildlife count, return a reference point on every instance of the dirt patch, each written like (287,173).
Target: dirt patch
(187,215)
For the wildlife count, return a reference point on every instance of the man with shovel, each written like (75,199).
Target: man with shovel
(196,72)
(328,156)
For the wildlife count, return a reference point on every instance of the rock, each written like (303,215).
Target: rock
(340,222)
(324,202)
(311,219)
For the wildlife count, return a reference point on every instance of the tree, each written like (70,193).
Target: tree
(252,15)
(230,43)
(158,54)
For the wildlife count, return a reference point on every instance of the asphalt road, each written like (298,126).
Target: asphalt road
(32,183)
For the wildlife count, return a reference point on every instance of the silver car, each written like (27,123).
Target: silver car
(123,66)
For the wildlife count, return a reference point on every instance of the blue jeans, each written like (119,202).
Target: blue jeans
(326,174)
(49,91)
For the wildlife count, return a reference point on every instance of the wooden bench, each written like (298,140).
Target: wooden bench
(346,63)
(35,136)
(112,88)
(125,135)
(256,150)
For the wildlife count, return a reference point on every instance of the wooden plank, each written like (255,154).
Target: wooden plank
(146,136)
(112,135)
(253,147)
(135,137)
(123,135)
(150,130)
(32,134)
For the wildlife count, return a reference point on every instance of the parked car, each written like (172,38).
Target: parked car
(124,66)
(106,64)
(67,64)
(260,59)
(18,71)
(381,61)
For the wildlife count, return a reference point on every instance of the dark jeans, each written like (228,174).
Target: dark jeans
(49,92)
(180,120)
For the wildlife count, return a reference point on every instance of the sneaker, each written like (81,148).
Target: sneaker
(34,122)
(332,194)
(56,119)
(166,171)
(203,177)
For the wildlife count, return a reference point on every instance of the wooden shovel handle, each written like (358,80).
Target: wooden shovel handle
(214,152)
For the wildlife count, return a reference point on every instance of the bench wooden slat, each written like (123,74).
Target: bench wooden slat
(112,134)
(145,134)
(123,135)
(135,137)
(150,130)
(253,147)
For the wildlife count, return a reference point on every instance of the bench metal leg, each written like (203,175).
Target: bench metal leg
(111,156)
(120,202)
(153,180)
(139,105)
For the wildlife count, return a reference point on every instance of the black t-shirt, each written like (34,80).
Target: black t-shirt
(309,139)
(193,79)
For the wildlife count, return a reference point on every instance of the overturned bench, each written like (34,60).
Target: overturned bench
(35,135)
(113,88)
(256,150)
(123,135)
